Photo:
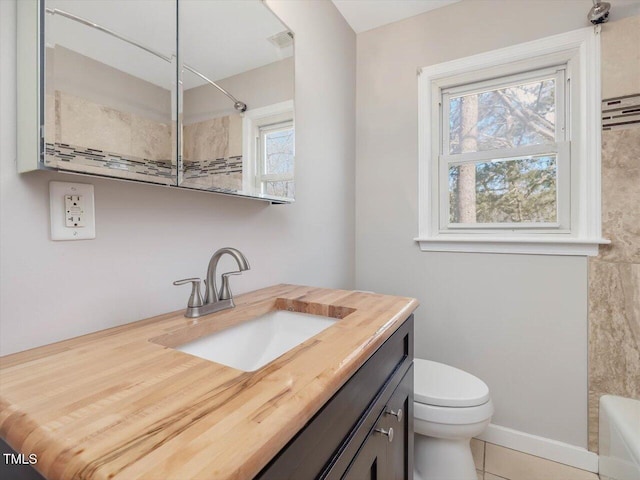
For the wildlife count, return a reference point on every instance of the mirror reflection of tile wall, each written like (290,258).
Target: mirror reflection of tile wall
(90,137)
(212,154)
(254,64)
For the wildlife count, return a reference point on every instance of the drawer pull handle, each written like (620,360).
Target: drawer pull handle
(397,414)
(388,433)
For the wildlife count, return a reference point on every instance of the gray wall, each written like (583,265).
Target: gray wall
(266,85)
(149,236)
(81,76)
(518,322)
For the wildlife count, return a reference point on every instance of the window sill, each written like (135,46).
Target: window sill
(521,245)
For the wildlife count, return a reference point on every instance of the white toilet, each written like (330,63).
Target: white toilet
(450,407)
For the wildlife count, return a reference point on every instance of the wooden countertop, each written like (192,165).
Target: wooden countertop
(122,404)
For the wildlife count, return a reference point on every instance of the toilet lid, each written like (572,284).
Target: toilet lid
(446,386)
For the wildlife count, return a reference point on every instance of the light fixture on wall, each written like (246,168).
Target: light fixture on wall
(599,13)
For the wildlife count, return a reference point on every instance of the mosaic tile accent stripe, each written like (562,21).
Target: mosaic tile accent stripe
(621,112)
(57,154)
(91,160)
(219,175)
(206,168)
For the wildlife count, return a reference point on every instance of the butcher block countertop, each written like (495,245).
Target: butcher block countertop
(122,404)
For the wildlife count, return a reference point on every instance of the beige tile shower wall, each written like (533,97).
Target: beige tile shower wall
(206,140)
(232,181)
(214,138)
(614,275)
(210,140)
(235,135)
(150,139)
(50,133)
(87,124)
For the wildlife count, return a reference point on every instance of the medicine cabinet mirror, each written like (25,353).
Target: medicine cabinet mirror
(183,93)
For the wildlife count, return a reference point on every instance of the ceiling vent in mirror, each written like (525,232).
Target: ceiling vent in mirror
(282,39)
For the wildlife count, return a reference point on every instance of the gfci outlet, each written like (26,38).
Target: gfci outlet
(72,211)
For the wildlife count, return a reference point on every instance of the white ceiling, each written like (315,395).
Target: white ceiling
(364,15)
(222,38)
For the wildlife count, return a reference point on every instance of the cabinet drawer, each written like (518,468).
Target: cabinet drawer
(315,450)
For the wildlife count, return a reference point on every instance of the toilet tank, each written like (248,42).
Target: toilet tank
(619,441)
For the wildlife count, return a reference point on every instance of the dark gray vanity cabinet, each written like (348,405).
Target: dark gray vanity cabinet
(350,437)
(384,455)
(15,466)
(371,461)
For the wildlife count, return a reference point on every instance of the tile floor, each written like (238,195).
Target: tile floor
(499,463)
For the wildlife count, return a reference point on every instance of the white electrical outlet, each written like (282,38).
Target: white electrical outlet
(72,211)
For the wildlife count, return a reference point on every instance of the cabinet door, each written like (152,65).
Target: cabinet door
(389,457)
(370,462)
(401,448)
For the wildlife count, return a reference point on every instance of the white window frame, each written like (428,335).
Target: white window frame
(261,176)
(578,231)
(253,122)
(560,147)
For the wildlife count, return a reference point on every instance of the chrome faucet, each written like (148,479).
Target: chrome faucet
(214,300)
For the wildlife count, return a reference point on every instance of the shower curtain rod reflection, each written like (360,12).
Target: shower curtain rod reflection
(237,104)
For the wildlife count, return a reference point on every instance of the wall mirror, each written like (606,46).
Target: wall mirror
(237,132)
(107,101)
(184,93)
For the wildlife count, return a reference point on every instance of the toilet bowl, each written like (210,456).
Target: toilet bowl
(450,407)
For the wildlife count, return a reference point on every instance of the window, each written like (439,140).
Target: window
(510,150)
(276,154)
(502,153)
(269,146)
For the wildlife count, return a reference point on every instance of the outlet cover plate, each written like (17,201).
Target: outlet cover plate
(59,230)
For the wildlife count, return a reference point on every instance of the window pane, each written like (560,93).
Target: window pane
(504,191)
(507,117)
(279,151)
(280,188)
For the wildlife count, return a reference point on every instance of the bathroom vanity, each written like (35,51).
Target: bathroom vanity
(127,403)
(366,429)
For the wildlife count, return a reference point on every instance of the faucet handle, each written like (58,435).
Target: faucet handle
(195,300)
(225,290)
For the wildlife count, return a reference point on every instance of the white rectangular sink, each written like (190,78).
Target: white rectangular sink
(252,344)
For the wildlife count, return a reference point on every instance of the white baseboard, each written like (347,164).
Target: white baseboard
(541,447)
